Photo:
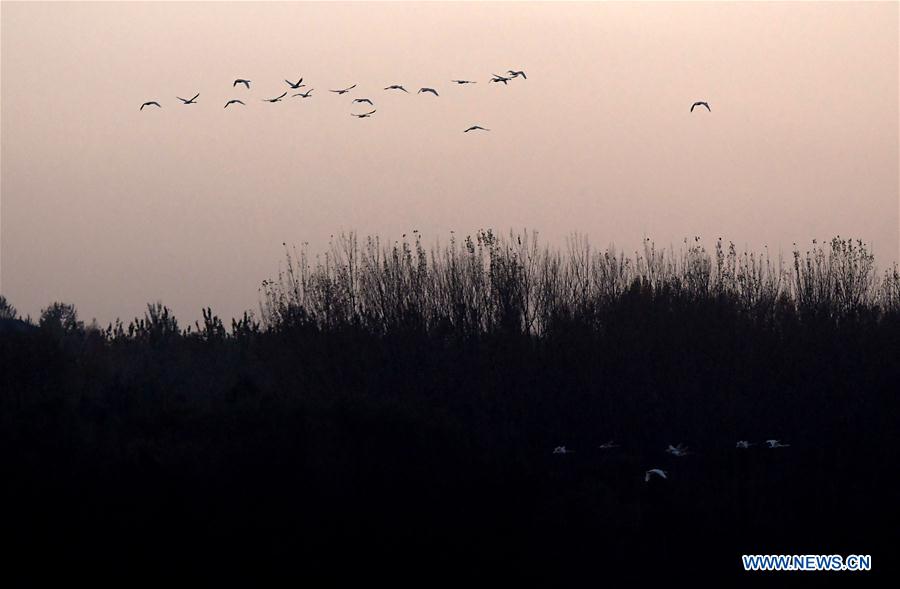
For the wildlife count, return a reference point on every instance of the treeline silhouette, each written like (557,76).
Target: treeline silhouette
(392,410)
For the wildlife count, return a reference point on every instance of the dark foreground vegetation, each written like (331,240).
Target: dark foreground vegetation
(392,414)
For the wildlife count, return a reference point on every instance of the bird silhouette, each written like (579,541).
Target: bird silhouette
(515,74)
(235,101)
(464,81)
(654,471)
(364,115)
(700,104)
(679,450)
(499,78)
(776,444)
(743,444)
(244,82)
(344,91)
(397,87)
(608,445)
(303,94)
(296,86)
(278,99)
(191,101)
(432,90)
(358,100)
(562,450)
(151,103)
(475,128)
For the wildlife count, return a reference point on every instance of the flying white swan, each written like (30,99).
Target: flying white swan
(679,450)
(654,471)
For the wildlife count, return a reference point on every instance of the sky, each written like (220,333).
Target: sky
(110,207)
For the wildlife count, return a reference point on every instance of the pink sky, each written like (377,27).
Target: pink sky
(110,208)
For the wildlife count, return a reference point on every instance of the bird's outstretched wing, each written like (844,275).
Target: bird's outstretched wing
(195,96)
(181,99)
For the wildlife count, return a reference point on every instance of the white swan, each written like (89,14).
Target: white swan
(654,471)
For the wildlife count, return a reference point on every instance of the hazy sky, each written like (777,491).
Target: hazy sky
(110,208)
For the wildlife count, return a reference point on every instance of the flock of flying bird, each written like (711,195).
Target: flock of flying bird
(510,75)
(679,451)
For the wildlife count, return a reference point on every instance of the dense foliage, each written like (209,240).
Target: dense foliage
(395,410)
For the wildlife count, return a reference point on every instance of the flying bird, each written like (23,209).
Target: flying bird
(191,101)
(776,444)
(364,115)
(475,128)
(432,90)
(397,87)
(499,78)
(743,444)
(356,100)
(278,99)
(244,82)
(345,90)
(679,450)
(151,103)
(515,74)
(608,445)
(296,86)
(654,471)
(464,81)
(562,450)
(700,104)
(235,101)
(303,94)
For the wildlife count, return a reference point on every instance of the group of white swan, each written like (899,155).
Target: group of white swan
(678,451)
(510,75)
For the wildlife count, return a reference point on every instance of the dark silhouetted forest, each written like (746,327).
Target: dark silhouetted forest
(390,413)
